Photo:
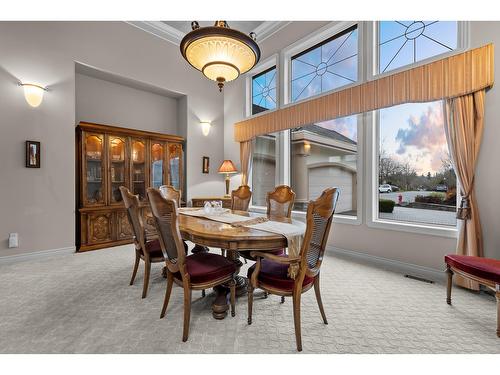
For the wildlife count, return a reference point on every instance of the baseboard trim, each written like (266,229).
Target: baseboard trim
(390,264)
(37,254)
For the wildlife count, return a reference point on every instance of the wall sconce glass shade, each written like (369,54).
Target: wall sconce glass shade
(219,52)
(205,128)
(33,93)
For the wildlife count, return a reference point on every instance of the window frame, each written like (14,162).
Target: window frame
(372,195)
(326,33)
(367,160)
(463,43)
(267,64)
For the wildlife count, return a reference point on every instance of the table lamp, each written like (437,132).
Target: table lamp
(227,167)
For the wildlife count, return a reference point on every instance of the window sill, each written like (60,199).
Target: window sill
(300,215)
(431,230)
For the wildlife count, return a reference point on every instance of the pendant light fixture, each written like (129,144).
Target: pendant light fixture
(219,52)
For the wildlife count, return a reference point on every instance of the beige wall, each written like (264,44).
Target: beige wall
(418,249)
(39,203)
(110,103)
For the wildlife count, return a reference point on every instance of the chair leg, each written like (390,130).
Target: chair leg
(232,288)
(265,294)
(498,311)
(296,318)
(203,293)
(147,271)
(170,282)
(187,313)
(282,299)
(318,298)
(223,252)
(250,302)
(136,266)
(449,284)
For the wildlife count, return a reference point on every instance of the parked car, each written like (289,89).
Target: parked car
(394,188)
(385,188)
(441,187)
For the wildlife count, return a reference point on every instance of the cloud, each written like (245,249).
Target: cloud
(425,135)
(347,126)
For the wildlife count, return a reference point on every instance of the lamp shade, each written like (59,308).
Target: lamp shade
(219,52)
(227,166)
(33,94)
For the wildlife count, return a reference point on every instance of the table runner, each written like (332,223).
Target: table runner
(293,232)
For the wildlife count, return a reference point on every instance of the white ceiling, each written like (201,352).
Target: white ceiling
(243,26)
(174,31)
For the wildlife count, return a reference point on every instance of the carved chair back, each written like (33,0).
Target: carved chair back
(165,215)
(169,192)
(319,219)
(131,202)
(280,201)
(240,198)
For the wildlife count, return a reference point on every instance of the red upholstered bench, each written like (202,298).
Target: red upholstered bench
(485,271)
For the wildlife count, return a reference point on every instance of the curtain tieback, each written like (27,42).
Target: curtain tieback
(464,212)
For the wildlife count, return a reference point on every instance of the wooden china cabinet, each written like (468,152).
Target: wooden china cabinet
(109,157)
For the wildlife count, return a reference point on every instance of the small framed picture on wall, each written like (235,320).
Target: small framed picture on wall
(206,164)
(32,154)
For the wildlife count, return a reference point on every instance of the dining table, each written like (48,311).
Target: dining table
(233,238)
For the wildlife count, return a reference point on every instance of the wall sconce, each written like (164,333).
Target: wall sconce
(33,93)
(307,149)
(205,127)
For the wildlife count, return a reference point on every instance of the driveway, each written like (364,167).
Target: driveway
(418,215)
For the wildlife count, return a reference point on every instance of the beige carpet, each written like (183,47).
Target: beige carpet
(81,303)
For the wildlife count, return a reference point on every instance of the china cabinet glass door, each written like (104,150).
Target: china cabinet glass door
(175,165)
(118,168)
(93,154)
(139,168)
(157,154)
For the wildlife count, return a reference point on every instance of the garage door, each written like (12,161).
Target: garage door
(323,177)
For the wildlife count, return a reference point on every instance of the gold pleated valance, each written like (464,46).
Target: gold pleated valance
(450,77)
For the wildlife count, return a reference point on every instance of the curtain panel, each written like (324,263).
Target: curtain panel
(464,118)
(245,160)
(450,77)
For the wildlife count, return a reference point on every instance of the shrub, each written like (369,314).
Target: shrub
(434,198)
(386,205)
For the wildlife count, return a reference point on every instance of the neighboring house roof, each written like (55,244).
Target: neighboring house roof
(328,133)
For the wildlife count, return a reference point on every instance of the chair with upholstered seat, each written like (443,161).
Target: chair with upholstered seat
(279,204)
(240,198)
(270,272)
(147,250)
(194,272)
(169,192)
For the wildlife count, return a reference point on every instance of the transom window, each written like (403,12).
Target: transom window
(406,42)
(264,91)
(326,66)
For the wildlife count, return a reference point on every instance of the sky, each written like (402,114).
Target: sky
(415,133)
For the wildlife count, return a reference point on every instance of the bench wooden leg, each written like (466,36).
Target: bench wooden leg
(449,272)
(498,311)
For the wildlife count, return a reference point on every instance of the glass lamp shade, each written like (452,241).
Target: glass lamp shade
(33,94)
(227,166)
(205,128)
(221,53)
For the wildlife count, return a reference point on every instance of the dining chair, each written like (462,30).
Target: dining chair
(240,198)
(194,272)
(169,192)
(270,272)
(147,250)
(279,203)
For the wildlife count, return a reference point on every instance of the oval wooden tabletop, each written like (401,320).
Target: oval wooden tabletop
(216,234)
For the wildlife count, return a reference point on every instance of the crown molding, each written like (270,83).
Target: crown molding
(172,35)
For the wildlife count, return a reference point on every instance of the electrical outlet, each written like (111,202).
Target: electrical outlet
(13,240)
